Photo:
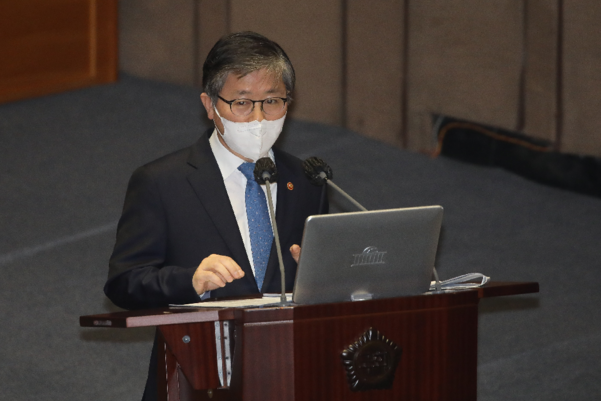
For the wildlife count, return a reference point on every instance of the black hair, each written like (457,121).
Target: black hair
(242,53)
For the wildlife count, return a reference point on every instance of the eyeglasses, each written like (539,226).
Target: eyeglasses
(269,106)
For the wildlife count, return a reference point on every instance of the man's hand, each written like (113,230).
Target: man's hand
(214,272)
(295,250)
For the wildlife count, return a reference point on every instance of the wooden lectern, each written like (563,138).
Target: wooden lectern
(408,348)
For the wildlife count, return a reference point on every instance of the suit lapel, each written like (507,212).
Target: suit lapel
(286,205)
(207,183)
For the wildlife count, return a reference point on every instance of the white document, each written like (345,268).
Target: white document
(267,299)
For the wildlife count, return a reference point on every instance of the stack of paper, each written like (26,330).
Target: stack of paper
(464,282)
(267,299)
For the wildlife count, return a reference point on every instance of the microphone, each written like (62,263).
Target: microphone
(320,173)
(317,170)
(265,173)
(265,170)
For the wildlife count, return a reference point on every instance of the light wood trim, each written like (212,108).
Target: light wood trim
(56,46)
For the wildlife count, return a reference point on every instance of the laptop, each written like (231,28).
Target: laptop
(367,255)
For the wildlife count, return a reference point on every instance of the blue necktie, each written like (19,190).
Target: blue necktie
(259,224)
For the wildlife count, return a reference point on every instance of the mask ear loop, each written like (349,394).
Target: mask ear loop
(217,128)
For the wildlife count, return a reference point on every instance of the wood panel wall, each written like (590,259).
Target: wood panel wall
(51,46)
(385,67)
(376,97)
(581,77)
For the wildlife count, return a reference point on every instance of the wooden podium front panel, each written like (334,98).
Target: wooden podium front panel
(267,362)
(438,340)
(295,353)
(51,46)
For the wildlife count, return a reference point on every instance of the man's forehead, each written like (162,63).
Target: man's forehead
(246,91)
(259,81)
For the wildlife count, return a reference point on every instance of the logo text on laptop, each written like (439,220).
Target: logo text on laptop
(369,256)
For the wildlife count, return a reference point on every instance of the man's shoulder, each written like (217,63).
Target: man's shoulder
(177,162)
(284,158)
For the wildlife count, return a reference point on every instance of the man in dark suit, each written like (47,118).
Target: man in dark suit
(194,222)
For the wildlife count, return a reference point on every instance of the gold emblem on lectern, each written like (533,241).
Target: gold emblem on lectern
(371,362)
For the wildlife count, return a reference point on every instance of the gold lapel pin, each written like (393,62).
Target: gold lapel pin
(290,186)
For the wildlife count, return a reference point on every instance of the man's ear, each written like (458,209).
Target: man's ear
(208,104)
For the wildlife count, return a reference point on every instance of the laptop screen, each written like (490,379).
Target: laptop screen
(367,255)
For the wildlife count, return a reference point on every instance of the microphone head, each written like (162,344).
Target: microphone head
(317,170)
(265,170)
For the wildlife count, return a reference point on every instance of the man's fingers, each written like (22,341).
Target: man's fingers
(295,250)
(216,279)
(232,267)
(215,271)
(227,268)
(222,272)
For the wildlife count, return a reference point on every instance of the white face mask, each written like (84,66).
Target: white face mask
(251,140)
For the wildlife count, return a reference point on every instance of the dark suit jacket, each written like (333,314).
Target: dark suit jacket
(177,212)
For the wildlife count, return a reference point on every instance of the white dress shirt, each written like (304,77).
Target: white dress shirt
(235,184)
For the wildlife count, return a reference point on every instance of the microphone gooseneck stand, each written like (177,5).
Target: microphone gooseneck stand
(319,173)
(347,196)
(265,172)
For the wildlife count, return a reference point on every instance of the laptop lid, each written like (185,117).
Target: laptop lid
(365,255)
